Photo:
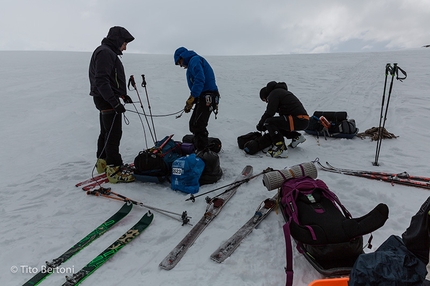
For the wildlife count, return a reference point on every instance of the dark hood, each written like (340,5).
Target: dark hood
(183,53)
(272,85)
(116,37)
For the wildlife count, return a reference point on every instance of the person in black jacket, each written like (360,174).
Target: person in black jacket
(292,117)
(107,86)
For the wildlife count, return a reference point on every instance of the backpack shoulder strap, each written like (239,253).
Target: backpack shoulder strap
(289,255)
(290,192)
(332,197)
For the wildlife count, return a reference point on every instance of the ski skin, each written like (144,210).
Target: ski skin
(96,233)
(110,251)
(229,246)
(213,209)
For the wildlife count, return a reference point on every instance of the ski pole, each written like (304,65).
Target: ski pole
(149,105)
(107,192)
(388,70)
(234,184)
(132,82)
(394,71)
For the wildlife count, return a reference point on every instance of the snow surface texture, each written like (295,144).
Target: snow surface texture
(50,125)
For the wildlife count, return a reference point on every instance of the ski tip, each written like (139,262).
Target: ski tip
(216,260)
(166,267)
(247,170)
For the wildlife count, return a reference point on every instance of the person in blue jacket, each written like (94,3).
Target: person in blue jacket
(203,93)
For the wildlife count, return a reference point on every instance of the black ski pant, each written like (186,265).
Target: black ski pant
(199,121)
(280,126)
(110,133)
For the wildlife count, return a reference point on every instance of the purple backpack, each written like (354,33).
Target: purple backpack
(322,227)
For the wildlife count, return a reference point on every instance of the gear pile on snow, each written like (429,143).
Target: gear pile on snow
(373,133)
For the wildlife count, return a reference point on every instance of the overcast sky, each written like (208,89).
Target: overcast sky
(218,27)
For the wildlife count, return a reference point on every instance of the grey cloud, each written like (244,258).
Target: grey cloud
(218,27)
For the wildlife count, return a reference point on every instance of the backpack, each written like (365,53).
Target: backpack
(253,146)
(214,144)
(324,230)
(243,139)
(332,124)
(417,235)
(186,172)
(404,268)
(408,256)
(212,171)
(155,164)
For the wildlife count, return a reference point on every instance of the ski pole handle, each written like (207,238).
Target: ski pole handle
(388,69)
(131,82)
(143,81)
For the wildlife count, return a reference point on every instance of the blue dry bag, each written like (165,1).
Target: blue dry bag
(186,172)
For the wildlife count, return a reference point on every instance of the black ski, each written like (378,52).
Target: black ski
(96,233)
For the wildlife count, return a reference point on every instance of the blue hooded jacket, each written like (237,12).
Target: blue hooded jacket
(200,75)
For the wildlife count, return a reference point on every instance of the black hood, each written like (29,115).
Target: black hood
(271,85)
(274,85)
(116,37)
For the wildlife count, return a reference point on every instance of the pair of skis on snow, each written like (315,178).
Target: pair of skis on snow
(400,178)
(214,207)
(98,261)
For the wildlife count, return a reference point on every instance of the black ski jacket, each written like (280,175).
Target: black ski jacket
(106,72)
(281,101)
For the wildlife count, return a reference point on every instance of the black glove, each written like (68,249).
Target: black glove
(260,127)
(127,99)
(119,108)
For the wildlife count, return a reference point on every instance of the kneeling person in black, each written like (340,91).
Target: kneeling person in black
(292,117)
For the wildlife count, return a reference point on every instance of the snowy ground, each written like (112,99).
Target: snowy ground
(49,129)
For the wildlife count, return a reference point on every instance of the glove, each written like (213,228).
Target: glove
(119,108)
(260,127)
(189,104)
(127,99)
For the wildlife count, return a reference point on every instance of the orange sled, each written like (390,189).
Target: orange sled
(330,282)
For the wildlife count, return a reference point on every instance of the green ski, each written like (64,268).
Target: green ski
(94,264)
(96,233)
